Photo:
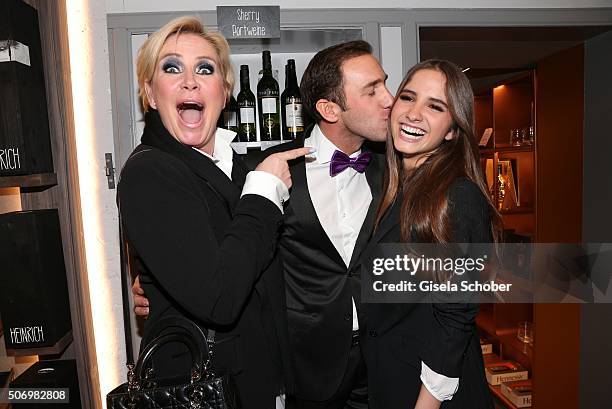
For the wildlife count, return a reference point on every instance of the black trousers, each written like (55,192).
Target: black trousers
(352,392)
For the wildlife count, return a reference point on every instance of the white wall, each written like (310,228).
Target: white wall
(133,6)
(89,64)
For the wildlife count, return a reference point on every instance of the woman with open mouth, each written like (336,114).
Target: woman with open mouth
(202,228)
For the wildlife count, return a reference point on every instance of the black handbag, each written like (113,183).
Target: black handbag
(201,390)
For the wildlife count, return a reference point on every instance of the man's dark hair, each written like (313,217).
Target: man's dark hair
(323,77)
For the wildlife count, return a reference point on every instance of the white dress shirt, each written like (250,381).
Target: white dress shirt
(257,182)
(341,202)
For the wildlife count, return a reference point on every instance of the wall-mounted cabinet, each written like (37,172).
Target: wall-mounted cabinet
(506,112)
(534,177)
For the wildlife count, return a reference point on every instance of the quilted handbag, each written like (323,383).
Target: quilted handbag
(202,389)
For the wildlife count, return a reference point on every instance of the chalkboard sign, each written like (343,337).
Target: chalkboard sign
(249,21)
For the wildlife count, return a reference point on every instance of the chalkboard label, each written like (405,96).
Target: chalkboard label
(249,21)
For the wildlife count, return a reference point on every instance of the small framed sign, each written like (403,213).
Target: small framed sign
(249,21)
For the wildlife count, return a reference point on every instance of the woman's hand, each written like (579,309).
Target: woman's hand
(141,303)
(426,400)
(276,164)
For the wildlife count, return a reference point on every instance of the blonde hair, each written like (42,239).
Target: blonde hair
(148,54)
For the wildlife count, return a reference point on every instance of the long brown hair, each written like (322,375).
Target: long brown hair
(424,209)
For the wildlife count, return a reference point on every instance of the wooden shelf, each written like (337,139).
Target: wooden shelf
(541,177)
(35,182)
(507,149)
(517,210)
(241,148)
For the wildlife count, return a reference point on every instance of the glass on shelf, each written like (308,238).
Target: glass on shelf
(525,332)
(530,135)
(515,137)
(524,136)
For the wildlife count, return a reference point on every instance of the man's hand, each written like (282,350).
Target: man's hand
(141,303)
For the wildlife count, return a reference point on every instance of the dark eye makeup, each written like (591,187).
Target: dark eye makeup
(172,66)
(205,68)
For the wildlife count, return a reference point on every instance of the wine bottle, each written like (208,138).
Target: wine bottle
(291,104)
(268,102)
(229,115)
(246,107)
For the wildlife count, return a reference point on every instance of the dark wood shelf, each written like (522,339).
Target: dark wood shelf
(507,149)
(242,148)
(35,182)
(517,210)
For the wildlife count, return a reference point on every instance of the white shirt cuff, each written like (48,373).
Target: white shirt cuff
(267,185)
(440,386)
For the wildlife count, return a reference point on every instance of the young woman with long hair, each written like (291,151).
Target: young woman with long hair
(428,355)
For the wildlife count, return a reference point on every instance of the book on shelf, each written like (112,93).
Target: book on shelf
(486,135)
(505,371)
(518,392)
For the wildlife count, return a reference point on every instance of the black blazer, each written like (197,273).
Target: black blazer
(209,255)
(319,285)
(400,336)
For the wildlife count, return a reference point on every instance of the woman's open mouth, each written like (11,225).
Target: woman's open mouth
(190,112)
(411,134)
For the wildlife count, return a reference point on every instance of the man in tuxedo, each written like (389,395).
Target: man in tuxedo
(328,222)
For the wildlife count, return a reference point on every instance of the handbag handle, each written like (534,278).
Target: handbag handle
(183,337)
(182,330)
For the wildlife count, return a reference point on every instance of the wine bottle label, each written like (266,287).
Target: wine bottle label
(247,115)
(268,105)
(270,122)
(267,93)
(294,115)
(230,118)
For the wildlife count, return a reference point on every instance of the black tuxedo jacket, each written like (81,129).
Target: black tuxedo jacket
(209,255)
(400,336)
(319,285)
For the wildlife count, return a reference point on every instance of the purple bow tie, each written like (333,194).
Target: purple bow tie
(340,161)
